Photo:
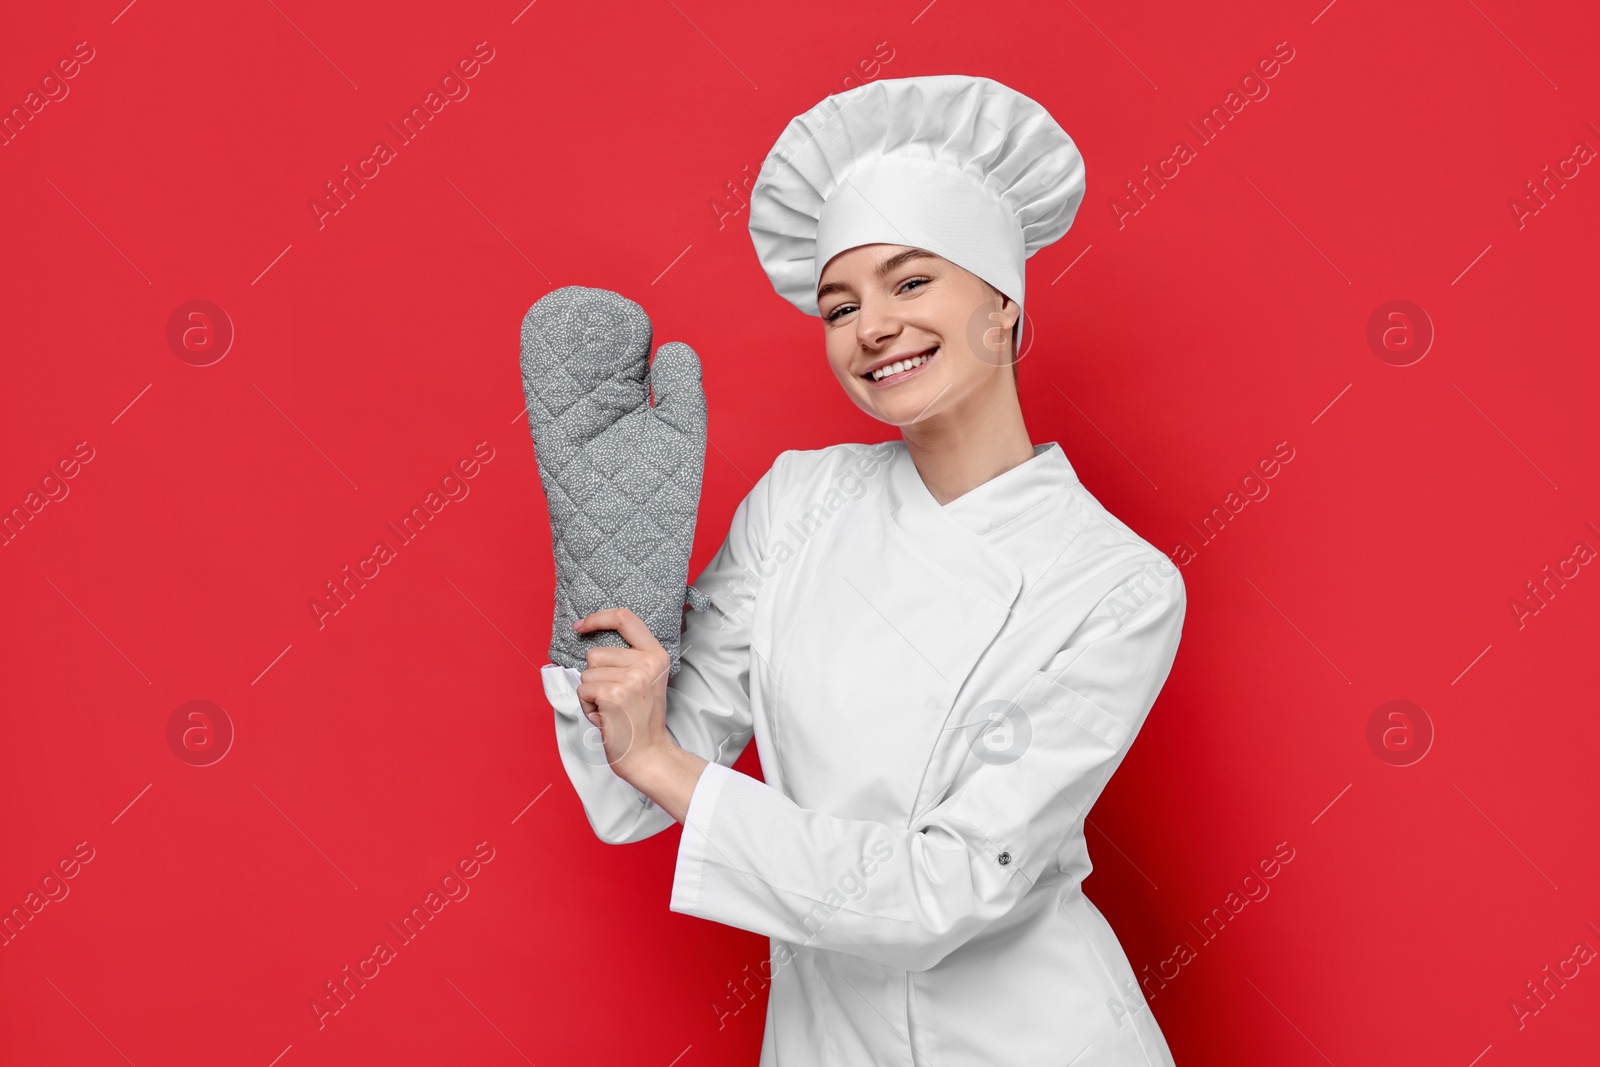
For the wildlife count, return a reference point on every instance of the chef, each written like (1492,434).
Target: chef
(942,644)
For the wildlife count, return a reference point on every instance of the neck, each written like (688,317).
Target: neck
(957,450)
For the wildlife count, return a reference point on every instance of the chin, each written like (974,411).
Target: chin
(904,408)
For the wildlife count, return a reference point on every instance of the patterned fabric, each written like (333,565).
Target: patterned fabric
(621,476)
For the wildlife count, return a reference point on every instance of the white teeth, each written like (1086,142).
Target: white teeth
(895,368)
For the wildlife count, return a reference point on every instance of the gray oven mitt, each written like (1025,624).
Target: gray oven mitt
(621,477)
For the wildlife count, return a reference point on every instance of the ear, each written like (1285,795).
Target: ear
(1009,314)
(1012,315)
(1010,311)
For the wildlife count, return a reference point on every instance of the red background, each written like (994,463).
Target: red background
(373,352)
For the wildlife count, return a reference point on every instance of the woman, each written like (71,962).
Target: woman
(943,645)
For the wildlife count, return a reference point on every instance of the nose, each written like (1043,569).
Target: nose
(876,324)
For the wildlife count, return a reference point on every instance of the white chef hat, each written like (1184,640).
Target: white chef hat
(963,167)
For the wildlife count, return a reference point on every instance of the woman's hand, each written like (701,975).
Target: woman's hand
(624,693)
(624,690)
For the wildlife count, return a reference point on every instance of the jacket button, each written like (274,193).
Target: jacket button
(1005,858)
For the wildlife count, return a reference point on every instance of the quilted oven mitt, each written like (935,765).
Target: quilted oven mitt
(621,476)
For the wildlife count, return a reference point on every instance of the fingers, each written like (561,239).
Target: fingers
(610,685)
(652,664)
(605,656)
(599,676)
(626,623)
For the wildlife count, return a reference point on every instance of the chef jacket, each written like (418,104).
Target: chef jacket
(937,694)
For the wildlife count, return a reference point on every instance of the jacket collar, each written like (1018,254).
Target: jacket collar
(955,533)
(1005,497)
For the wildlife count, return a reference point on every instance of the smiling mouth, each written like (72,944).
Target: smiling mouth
(901,369)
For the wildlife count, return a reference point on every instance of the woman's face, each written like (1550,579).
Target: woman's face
(883,304)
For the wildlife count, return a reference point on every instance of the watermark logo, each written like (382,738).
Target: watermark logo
(845,486)
(992,340)
(1399,732)
(199,733)
(1129,1005)
(52,90)
(850,887)
(341,591)
(1253,889)
(1003,732)
(1253,488)
(339,992)
(53,889)
(340,192)
(736,199)
(200,333)
(1399,332)
(592,744)
(52,489)
(1552,580)
(1253,88)
(1542,190)
(1542,989)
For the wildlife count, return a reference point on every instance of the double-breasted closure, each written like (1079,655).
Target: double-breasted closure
(937,694)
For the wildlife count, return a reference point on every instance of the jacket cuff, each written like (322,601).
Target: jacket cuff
(561,690)
(694,844)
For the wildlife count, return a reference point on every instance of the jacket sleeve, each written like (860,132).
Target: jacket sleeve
(708,700)
(906,897)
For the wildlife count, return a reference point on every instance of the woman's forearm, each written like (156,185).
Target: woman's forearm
(667,775)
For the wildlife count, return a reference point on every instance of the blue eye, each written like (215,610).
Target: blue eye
(909,285)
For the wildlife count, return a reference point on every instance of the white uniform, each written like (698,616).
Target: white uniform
(938,694)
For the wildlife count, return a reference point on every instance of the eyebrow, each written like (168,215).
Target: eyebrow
(884,269)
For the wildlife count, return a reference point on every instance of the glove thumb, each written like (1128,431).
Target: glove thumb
(680,401)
